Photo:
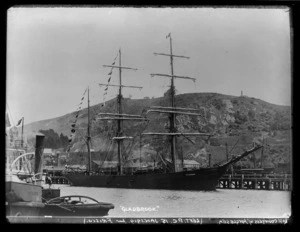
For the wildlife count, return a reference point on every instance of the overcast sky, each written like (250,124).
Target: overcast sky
(53,54)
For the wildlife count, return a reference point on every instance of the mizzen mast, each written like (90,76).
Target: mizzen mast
(120,116)
(172,111)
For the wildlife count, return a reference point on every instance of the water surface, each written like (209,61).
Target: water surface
(223,203)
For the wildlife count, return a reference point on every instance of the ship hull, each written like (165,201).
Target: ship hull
(201,179)
(205,179)
(23,199)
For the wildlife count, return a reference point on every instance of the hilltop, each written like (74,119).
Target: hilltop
(229,117)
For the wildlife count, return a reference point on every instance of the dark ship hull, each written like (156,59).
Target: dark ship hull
(205,179)
(201,179)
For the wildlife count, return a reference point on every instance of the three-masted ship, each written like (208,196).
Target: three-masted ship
(172,178)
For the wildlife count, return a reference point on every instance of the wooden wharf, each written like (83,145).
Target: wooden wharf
(56,175)
(256,181)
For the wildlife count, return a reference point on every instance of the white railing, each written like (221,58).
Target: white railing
(18,158)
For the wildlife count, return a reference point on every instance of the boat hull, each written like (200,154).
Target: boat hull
(23,199)
(76,210)
(24,208)
(201,179)
(26,192)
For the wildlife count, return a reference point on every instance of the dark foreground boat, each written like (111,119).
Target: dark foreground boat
(75,205)
(167,177)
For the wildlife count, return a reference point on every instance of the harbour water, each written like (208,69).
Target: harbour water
(223,203)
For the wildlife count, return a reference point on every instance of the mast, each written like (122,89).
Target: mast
(226,151)
(120,116)
(172,115)
(172,111)
(182,158)
(22,138)
(262,153)
(88,134)
(119,133)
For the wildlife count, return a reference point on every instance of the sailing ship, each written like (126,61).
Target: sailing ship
(171,178)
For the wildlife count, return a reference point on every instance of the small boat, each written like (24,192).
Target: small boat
(75,205)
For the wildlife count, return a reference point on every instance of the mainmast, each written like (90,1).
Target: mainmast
(172,115)
(120,124)
(88,139)
(120,116)
(172,111)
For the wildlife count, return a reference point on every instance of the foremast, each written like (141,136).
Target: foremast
(119,117)
(172,111)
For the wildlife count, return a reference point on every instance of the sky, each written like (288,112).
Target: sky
(54,53)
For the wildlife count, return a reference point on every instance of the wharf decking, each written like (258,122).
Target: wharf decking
(56,175)
(256,181)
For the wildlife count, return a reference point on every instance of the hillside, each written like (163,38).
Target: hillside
(229,117)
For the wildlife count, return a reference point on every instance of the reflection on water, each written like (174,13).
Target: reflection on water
(169,203)
(172,197)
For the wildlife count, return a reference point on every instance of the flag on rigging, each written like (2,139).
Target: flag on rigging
(73,125)
(109,74)
(168,35)
(85,91)
(7,122)
(19,122)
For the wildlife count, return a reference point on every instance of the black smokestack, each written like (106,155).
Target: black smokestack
(39,148)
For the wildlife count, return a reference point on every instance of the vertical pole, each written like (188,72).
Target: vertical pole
(182,158)
(290,166)
(226,151)
(39,148)
(172,118)
(89,136)
(22,138)
(285,182)
(120,169)
(57,159)
(255,183)
(242,181)
(262,153)
(140,151)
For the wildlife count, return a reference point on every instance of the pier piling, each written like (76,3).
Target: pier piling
(260,182)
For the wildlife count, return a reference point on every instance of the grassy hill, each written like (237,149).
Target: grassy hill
(241,120)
